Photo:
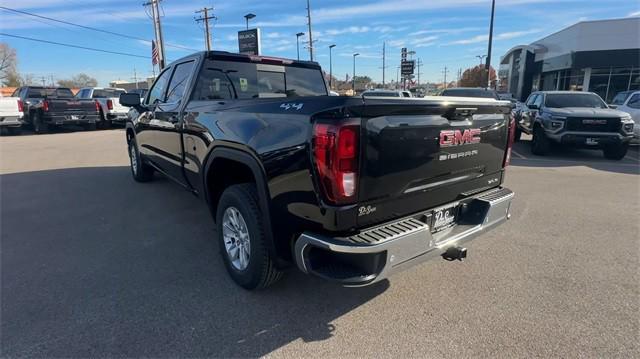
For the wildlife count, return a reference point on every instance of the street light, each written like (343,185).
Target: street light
(248,17)
(298,43)
(487,67)
(331,67)
(354,73)
(481,57)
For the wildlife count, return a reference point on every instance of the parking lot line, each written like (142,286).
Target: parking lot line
(518,154)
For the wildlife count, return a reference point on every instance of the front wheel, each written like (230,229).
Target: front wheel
(540,144)
(242,238)
(141,171)
(616,152)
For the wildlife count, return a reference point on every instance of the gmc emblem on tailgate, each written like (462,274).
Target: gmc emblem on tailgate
(451,138)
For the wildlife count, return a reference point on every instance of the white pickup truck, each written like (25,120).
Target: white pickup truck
(11,114)
(110,108)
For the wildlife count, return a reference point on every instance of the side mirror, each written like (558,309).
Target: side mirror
(533,107)
(613,106)
(130,99)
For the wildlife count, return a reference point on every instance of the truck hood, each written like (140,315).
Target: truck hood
(586,112)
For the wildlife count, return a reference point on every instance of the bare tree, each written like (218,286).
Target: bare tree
(79,80)
(8,64)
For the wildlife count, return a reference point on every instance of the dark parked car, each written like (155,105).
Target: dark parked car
(45,107)
(579,119)
(351,189)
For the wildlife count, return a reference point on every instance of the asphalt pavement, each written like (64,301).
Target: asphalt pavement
(93,264)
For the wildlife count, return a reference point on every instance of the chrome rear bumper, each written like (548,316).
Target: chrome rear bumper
(377,253)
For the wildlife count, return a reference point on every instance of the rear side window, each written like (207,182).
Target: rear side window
(470,93)
(223,80)
(634,101)
(106,93)
(40,92)
(179,82)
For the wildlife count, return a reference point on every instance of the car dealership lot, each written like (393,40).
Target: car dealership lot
(93,264)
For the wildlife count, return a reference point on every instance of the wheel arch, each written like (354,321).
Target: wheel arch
(245,168)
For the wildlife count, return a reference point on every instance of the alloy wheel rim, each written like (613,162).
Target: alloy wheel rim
(134,160)
(236,238)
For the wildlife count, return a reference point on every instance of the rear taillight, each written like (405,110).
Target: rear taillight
(97,106)
(45,106)
(510,140)
(335,152)
(110,105)
(20,106)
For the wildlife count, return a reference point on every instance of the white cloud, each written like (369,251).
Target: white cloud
(348,30)
(502,36)
(445,31)
(634,14)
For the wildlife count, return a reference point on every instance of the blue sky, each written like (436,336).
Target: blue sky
(443,33)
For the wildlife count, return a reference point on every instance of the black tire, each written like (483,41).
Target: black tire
(15,131)
(104,122)
(91,126)
(260,272)
(616,152)
(140,171)
(540,144)
(39,125)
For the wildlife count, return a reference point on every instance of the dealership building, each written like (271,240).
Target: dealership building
(600,56)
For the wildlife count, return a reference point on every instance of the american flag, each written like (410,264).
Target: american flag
(154,53)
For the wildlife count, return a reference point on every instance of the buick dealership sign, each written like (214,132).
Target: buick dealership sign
(249,42)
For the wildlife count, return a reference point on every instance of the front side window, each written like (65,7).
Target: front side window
(158,90)
(531,99)
(574,100)
(538,100)
(634,101)
(179,82)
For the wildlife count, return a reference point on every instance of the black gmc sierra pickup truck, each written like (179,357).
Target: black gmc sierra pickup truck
(46,107)
(350,189)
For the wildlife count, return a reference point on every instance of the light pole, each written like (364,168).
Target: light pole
(298,43)
(487,68)
(248,17)
(481,57)
(397,77)
(354,73)
(331,67)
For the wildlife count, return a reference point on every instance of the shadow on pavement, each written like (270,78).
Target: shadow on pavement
(561,156)
(94,264)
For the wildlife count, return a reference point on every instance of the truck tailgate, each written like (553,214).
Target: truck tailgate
(62,106)
(417,154)
(9,107)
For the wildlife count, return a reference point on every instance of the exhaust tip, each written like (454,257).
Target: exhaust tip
(455,253)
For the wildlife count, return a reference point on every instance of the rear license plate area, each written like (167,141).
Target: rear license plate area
(592,141)
(443,218)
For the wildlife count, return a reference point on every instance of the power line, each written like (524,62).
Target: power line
(89,27)
(74,46)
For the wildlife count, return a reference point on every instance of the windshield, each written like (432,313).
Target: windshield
(228,80)
(106,93)
(482,93)
(574,100)
(621,97)
(39,92)
(380,94)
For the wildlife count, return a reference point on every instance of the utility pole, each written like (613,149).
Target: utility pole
(310,35)
(51,77)
(205,18)
(445,71)
(354,73)
(330,67)
(135,77)
(487,68)
(44,81)
(155,12)
(459,76)
(398,77)
(384,59)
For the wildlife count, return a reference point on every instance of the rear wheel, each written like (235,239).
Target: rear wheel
(242,238)
(616,152)
(39,126)
(540,144)
(91,126)
(141,172)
